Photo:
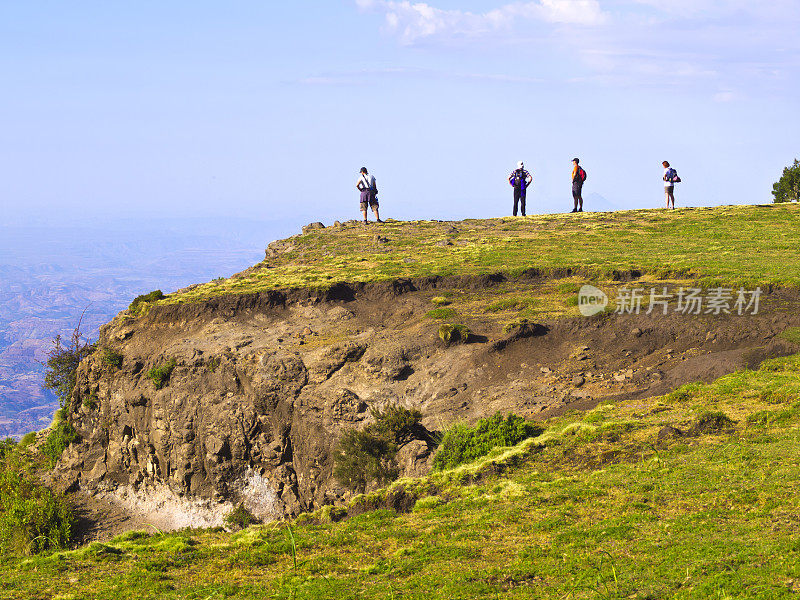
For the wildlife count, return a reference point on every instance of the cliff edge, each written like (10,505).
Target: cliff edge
(235,392)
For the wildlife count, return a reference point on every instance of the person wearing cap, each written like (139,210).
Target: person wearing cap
(369,194)
(578,175)
(520,179)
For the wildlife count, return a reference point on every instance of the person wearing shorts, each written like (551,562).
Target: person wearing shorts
(577,186)
(669,184)
(369,194)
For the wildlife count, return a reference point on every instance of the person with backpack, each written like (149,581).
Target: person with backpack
(369,194)
(578,177)
(670,179)
(520,180)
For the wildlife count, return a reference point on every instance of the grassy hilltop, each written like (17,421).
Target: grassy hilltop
(738,245)
(695,494)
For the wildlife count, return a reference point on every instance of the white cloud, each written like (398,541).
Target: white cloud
(581,12)
(418,20)
(727,48)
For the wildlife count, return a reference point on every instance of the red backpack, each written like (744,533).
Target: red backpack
(581,174)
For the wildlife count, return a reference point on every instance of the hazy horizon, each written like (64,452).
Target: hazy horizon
(54,277)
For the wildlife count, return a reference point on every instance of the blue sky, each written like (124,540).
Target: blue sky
(266,110)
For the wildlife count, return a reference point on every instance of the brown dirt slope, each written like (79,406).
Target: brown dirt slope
(264,384)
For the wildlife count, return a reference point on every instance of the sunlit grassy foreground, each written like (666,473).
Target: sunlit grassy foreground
(736,245)
(596,507)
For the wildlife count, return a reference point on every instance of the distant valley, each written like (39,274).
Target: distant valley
(50,276)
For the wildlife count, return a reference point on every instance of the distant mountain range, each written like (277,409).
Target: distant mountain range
(50,276)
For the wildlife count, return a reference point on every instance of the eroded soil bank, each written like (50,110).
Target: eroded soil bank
(262,385)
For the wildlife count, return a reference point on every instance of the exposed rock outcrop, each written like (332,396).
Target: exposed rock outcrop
(263,385)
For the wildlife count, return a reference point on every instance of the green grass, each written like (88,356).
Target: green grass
(61,435)
(734,245)
(33,518)
(463,444)
(595,507)
(513,303)
(791,334)
(144,299)
(159,375)
(441,313)
(451,333)
(111,358)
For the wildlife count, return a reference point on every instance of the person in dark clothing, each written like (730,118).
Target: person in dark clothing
(520,180)
(578,177)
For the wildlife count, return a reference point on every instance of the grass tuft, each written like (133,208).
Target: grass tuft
(160,375)
(441,313)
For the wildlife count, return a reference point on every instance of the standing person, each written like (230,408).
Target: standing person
(520,179)
(670,179)
(578,177)
(369,194)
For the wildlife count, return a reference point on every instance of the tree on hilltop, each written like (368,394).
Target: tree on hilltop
(787,188)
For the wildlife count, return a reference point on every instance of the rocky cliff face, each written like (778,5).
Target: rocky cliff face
(264,384)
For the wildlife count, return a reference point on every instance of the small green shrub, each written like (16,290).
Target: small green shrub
(27,439)
(58,416)
(160,375)
(441,313)
(366,456)
(395,423)
(32,518)
(7,446)
(213,363)
(240,518)
(711,422)
(362,457)
(139,301)
(111,358)
(440,301)
(452,334)
(462,444)
(90,402)
(61,435)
